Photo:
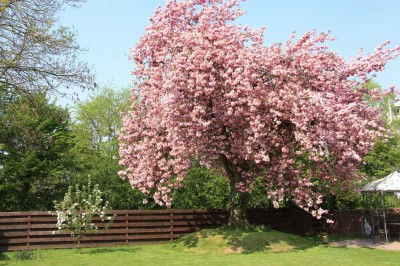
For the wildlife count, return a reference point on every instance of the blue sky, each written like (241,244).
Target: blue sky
(108,29)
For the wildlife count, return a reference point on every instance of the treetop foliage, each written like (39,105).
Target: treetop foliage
(36,53)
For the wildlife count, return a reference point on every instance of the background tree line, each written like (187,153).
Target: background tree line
(44,148)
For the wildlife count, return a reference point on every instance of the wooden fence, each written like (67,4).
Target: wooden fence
(37,230)
(349,222)
(34,230)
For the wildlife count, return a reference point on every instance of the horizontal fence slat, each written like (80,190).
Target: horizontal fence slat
(12,227)
(13,234)
(14,220)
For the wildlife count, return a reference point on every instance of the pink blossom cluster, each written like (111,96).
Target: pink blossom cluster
(205,88)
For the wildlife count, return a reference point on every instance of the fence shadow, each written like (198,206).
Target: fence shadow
(3,245)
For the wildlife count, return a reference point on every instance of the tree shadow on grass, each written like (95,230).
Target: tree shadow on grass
(192,240)
(229,240)
(111,250)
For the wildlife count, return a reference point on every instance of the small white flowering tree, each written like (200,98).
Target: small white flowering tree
(76,211)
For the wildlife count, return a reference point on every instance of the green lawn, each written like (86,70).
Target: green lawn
(218,247)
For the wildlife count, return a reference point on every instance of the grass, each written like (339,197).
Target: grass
(218,247)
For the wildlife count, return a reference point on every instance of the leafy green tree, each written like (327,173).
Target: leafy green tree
(35,158)
(98,119)
(386,153)
(202,189)
(385,156)
(96,124)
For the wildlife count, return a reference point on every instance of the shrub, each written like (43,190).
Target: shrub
(76,211)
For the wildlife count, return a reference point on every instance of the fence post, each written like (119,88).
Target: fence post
(28,230)
(126,228)
(171,227)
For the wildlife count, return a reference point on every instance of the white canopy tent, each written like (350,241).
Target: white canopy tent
(390,183)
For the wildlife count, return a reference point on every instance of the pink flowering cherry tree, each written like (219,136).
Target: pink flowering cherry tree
(292,114)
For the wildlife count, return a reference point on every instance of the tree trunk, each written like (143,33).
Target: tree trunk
(79,240)
(79,245)
(238,208)
(238,200)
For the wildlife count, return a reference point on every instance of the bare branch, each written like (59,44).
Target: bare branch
(36,52)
